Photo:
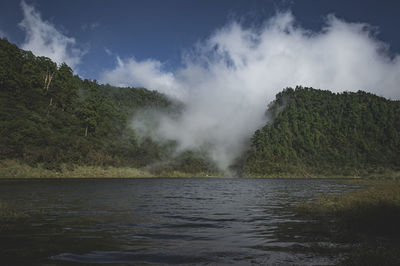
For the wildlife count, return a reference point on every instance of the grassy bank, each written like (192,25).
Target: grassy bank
(367,219)
(375,208)
(303,172)
(16,169)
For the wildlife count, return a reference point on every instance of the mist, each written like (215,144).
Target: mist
(227,80)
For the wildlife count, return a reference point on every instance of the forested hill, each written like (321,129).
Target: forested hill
(50,116)
(317,132)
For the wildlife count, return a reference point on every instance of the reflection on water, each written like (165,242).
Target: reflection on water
(167,221)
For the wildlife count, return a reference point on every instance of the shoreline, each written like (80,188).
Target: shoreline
(13,169)
(370,214)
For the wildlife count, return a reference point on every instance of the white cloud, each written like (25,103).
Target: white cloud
(108,51)
(42,38)
(229,79)
(148,74)
(3,34)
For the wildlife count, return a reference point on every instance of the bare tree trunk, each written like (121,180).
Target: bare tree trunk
(47,80)
(86,131)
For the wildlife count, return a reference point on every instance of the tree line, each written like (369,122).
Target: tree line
(320,132)
(49,117)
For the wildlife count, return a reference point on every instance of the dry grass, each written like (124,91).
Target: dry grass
(368,218)
(376,208)
(16,169)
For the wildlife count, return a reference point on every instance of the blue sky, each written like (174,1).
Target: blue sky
(165,29)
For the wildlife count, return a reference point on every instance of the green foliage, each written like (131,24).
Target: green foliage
(50,116)
(317,132)
(373,210)
(188,162)
(362,218)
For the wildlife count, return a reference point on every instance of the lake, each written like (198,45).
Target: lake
(202,221)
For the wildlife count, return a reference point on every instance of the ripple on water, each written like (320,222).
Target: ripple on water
(128,257)
(166,221)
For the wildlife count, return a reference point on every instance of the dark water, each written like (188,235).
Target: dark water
(164,221)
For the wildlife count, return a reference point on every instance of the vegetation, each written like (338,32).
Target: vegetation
(16,169)
(53,120)
(375,209)
(320,133)
(9,215)
(11,218)
(51,116)
(369,216)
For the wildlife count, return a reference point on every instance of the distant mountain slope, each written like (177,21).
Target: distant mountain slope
(50,116)
(320,132)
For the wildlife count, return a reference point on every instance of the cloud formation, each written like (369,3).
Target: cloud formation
(148,74)
(2,34)
(42,38)
(228,80)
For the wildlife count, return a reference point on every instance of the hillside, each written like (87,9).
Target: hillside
(320,133)
(50,116)
(52,119)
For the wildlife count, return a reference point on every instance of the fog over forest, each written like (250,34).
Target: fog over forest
(228,79)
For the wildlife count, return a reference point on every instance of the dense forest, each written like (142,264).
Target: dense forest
(49,117)
(315,132)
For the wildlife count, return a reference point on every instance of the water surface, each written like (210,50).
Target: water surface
(164,221)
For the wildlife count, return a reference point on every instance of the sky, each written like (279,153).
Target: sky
(164,29)
(225,60)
